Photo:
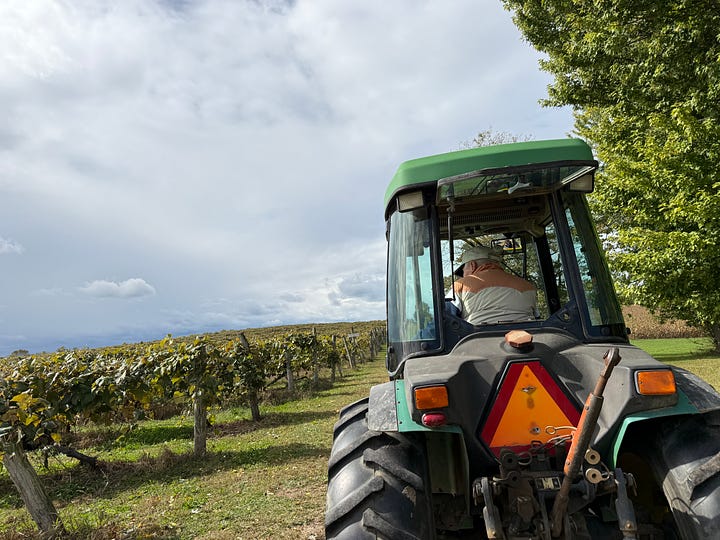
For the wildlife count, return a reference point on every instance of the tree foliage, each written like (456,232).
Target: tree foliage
(490,137)
(644,79)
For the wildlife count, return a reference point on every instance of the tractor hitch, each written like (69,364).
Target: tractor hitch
(581,440)
(516,502)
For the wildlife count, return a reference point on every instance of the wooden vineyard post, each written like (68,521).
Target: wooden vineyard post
(375,342)
(245,343)
(315,364)
(253,400)
(357,353)
(289,371)
(199,407)
(200,425)
(351,361)
(336,357)
(31,490)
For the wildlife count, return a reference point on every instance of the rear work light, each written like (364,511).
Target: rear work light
(658,382)
(431,397)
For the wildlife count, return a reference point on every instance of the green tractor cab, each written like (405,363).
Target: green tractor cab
(530,425)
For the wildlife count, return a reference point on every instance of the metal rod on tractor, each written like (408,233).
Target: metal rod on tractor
(581,440)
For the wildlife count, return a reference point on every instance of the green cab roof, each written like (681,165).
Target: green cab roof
(430,169)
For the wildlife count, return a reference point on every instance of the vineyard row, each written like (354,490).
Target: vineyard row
(42,397)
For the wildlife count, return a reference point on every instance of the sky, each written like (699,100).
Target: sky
(188,166)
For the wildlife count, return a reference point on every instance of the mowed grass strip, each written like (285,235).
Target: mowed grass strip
(258,481)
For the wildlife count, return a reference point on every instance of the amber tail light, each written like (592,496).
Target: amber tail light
(431,397)
(658,382)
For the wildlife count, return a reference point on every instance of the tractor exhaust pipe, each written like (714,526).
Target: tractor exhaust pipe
(581,441)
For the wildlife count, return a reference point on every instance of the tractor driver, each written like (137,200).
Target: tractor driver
(486,294)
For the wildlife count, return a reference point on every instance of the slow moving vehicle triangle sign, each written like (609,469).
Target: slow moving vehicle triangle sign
(530,407)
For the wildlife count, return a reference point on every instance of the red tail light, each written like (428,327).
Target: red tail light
(433,419)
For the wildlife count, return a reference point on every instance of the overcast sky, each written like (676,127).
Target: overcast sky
(180,166)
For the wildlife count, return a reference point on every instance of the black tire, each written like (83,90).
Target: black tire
(686,463)
(377,483)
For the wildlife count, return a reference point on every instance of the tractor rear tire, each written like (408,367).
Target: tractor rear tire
(686,462)
(377,482)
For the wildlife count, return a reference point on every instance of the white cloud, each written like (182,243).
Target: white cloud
(234,154)
(369,288)
(10,246)
(130,288)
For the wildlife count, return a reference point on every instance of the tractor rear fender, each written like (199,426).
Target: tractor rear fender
(382,412)
(683,455)
(389,411)
(695,396)
(445,445)
(681,446)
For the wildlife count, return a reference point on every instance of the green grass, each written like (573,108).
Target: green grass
(697,355)
(258,480)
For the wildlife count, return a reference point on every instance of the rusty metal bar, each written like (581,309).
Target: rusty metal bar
(581,440)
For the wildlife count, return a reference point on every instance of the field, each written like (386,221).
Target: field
(644,325)
(259,480)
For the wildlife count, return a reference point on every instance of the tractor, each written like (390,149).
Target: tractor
(536,428)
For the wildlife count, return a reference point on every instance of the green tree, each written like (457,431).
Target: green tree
(490,137)
(644,79)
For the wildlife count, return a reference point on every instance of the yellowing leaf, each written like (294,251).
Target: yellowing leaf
(24,400)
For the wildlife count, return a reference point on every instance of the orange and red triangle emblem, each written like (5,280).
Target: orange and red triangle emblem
(528,402)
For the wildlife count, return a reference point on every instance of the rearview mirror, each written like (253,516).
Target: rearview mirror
(508,246)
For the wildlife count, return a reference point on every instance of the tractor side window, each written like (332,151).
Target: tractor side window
(560,297)
(411,304)
(602,306)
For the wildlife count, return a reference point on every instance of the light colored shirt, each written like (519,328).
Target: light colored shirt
(490,296)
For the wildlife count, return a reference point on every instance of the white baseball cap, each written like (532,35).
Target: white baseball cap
(478,253)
